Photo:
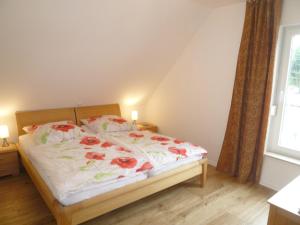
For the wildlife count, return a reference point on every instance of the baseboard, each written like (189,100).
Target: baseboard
(263,183)
(269,185)
(212,162)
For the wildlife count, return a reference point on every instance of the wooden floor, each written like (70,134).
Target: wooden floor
(222,202)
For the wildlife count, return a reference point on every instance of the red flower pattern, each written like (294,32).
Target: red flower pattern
(106,144)
(145,166)
(118,120)
(32,128)
(124,162)
(122,149)
(176,141)
(90,141)
(178,151)
(134,135)
(93,118)
(95,155)
(63,127)
(159,138)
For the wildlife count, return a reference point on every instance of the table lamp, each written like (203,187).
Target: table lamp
(4,133)
(134,116)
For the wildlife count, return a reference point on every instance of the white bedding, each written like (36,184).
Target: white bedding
(62,165)
(164,153)
(88,130)
(171,166)
(69,186)
(156,170)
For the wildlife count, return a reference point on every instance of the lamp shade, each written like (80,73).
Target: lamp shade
(134,115)
(4,133)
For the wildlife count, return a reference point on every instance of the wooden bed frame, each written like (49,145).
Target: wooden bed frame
(103,203)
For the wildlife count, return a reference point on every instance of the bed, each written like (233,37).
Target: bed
(79,212)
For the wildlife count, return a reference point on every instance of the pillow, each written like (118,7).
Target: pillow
(107,123)
(30,129)
(55,132)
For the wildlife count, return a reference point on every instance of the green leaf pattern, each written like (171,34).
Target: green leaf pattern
(66,157)
(104,126)
(88,165)
(44,137)
(101,176)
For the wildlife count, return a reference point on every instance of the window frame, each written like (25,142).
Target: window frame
(277,109)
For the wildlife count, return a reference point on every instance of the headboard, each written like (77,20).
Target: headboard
(26,118)
(98,110)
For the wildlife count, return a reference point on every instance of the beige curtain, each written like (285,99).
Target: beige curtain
(243,146)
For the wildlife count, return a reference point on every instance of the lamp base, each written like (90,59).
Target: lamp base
(134,124)
(5,143)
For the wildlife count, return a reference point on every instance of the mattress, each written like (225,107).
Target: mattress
(76,195)
(164,153)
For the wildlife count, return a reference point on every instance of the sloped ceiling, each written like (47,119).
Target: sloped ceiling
(57,53)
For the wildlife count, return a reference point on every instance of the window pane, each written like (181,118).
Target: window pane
(290,125)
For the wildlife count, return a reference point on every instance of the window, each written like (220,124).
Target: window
(284,132)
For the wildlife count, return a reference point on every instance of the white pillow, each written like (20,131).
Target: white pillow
(107,123)
(55,132)
(30,129)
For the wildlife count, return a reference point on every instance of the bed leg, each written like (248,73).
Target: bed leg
(64,219)
(204,174)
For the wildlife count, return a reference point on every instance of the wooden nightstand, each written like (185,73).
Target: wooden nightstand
(9,161)
(285,205)
(147,126)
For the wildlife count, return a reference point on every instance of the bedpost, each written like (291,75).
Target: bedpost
(204,174)
(65,217)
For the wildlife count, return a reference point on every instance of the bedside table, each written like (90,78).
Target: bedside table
(9,161)
(147,126)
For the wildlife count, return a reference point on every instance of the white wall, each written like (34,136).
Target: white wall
(60,53)
(277,173)
(290,13)
(193,100)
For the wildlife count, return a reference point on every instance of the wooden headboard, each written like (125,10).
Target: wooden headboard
(98,110)
(26,118)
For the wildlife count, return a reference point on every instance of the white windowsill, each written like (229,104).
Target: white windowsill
(283,158)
